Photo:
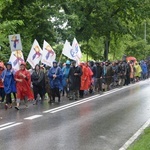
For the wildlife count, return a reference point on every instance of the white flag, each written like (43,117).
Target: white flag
(16,59)
(48,55)
(35,54)
(67,51)
(76,51)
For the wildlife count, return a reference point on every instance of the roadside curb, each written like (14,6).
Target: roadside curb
(135,136)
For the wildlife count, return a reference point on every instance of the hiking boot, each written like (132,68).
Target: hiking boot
(16,108)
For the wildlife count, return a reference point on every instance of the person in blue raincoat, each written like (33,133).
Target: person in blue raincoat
(9,84)
(65,71)
(55,76)
(144,70)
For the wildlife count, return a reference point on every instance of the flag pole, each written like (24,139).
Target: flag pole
(59,59)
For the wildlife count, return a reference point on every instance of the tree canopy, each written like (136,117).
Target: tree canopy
(105,29)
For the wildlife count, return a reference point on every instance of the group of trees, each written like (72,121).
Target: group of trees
(106,29)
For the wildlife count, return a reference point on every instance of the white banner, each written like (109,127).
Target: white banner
(48,55)
(16,59)
(35,54)
(15,42)
(67,50)
(76,51)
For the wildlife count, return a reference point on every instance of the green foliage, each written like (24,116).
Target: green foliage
(7,27)
(113,27)
(138,48)
(93,48)
(110,20)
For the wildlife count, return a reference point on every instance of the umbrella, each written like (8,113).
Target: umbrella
(131,58)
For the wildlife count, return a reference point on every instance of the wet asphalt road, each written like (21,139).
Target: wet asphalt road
(100,122)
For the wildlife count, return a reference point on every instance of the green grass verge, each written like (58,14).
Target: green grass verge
(143,143)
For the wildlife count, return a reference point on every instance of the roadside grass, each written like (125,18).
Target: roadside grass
(143,143)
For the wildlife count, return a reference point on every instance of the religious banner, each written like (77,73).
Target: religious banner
(67,50)
(15,42)
(76,51)
(16,59)
(48,54)
(35,54)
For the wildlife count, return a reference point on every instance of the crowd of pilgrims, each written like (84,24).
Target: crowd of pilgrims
(67,80)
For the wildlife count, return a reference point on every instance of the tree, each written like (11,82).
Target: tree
(100,26)
(106,19)
(7,27)
(37,21)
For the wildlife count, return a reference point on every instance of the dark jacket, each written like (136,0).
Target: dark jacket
(128,69)
(99,71)
(37,78)
(75,80)
(109,75)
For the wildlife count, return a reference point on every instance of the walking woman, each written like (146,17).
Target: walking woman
(37,79)
(23,85)
(9,84)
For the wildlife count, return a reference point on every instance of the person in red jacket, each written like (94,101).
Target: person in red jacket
(90,77)
(2,92)
(23,85)
(86,78)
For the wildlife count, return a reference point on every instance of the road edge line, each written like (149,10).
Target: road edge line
(86,100)
(135,136)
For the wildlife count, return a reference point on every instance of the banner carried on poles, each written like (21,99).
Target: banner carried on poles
(76,51)
(16,59)
(35,54)
(72,52)
(48,54)
(15,42)
(67,50)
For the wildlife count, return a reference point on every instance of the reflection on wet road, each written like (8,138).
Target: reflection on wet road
(96,123)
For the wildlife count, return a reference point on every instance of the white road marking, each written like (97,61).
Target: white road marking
(50,110)
(74,104)
(82,100)
(124,147)
(135,136)
(6,124)
(33,117)
(89,98)
(13,125)
(86,100)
